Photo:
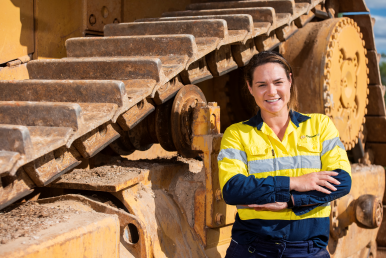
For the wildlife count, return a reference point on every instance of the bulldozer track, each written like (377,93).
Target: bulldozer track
(72,108)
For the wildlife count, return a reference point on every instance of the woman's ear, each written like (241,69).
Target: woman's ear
(249,88)
(290,80)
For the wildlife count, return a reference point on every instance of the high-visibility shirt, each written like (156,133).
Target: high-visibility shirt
(255,168)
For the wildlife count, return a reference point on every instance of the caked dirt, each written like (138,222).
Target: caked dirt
(104,175)
(28,219)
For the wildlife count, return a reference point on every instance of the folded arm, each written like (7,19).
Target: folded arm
(334,158)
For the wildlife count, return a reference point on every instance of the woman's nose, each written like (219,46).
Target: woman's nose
(272,89)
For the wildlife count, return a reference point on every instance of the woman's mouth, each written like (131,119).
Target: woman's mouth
(272,100)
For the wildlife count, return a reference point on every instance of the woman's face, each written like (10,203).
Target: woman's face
(271,88)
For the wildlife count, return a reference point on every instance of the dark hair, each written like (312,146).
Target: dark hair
(265,57)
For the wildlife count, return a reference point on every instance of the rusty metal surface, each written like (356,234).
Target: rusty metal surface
(14,187)
(96,140)
(75,91)
(197,72)
(51,166)
(375,129)
(236,22)
(373,65)
(16,139)
(171,49)
(242,53)
(40,114)
(376,106)
(9,162)
(286,31)
(281,6)
(168,90)
(221,61)
(136,114)
(262,14)
(197,28)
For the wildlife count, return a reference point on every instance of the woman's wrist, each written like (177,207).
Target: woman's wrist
(293,181)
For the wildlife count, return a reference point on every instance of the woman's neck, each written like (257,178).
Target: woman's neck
(278,122)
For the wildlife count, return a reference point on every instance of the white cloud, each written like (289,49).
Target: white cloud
(379,27)
(380,33)
(380,44)
(376,4)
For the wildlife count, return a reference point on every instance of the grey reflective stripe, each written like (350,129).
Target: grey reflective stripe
(240,207)
(260,166)
(330,144)
(296,162)
(233,154)
(325,204)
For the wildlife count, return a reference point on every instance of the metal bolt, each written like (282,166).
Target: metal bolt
(219,218)
(105,12)
(218,195)
(92,19)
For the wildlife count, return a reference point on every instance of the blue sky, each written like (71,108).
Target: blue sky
(378,11)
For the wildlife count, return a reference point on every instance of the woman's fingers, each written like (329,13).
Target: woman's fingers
(329,173)
(329,186)
(329,179)
(323,190)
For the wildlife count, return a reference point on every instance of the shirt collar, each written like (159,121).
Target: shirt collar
(257,120)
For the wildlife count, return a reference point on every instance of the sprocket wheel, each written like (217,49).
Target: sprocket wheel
(330,70)
(181,118)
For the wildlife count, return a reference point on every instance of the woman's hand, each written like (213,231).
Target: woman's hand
(276,206)
(314,181)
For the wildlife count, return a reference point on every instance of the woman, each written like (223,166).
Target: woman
(281,168)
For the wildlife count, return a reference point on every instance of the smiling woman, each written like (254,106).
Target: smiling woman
(281,169)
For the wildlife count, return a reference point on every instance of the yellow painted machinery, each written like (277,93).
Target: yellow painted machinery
(84,83)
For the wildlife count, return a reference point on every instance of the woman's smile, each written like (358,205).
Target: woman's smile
(271,88)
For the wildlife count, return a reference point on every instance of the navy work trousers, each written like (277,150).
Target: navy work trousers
(276,249)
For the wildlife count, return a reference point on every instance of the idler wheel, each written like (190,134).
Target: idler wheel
(330,69)
(181,118)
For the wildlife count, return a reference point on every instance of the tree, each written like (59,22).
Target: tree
(382,68)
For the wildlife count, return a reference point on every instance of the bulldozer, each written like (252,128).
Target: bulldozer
(87,84)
